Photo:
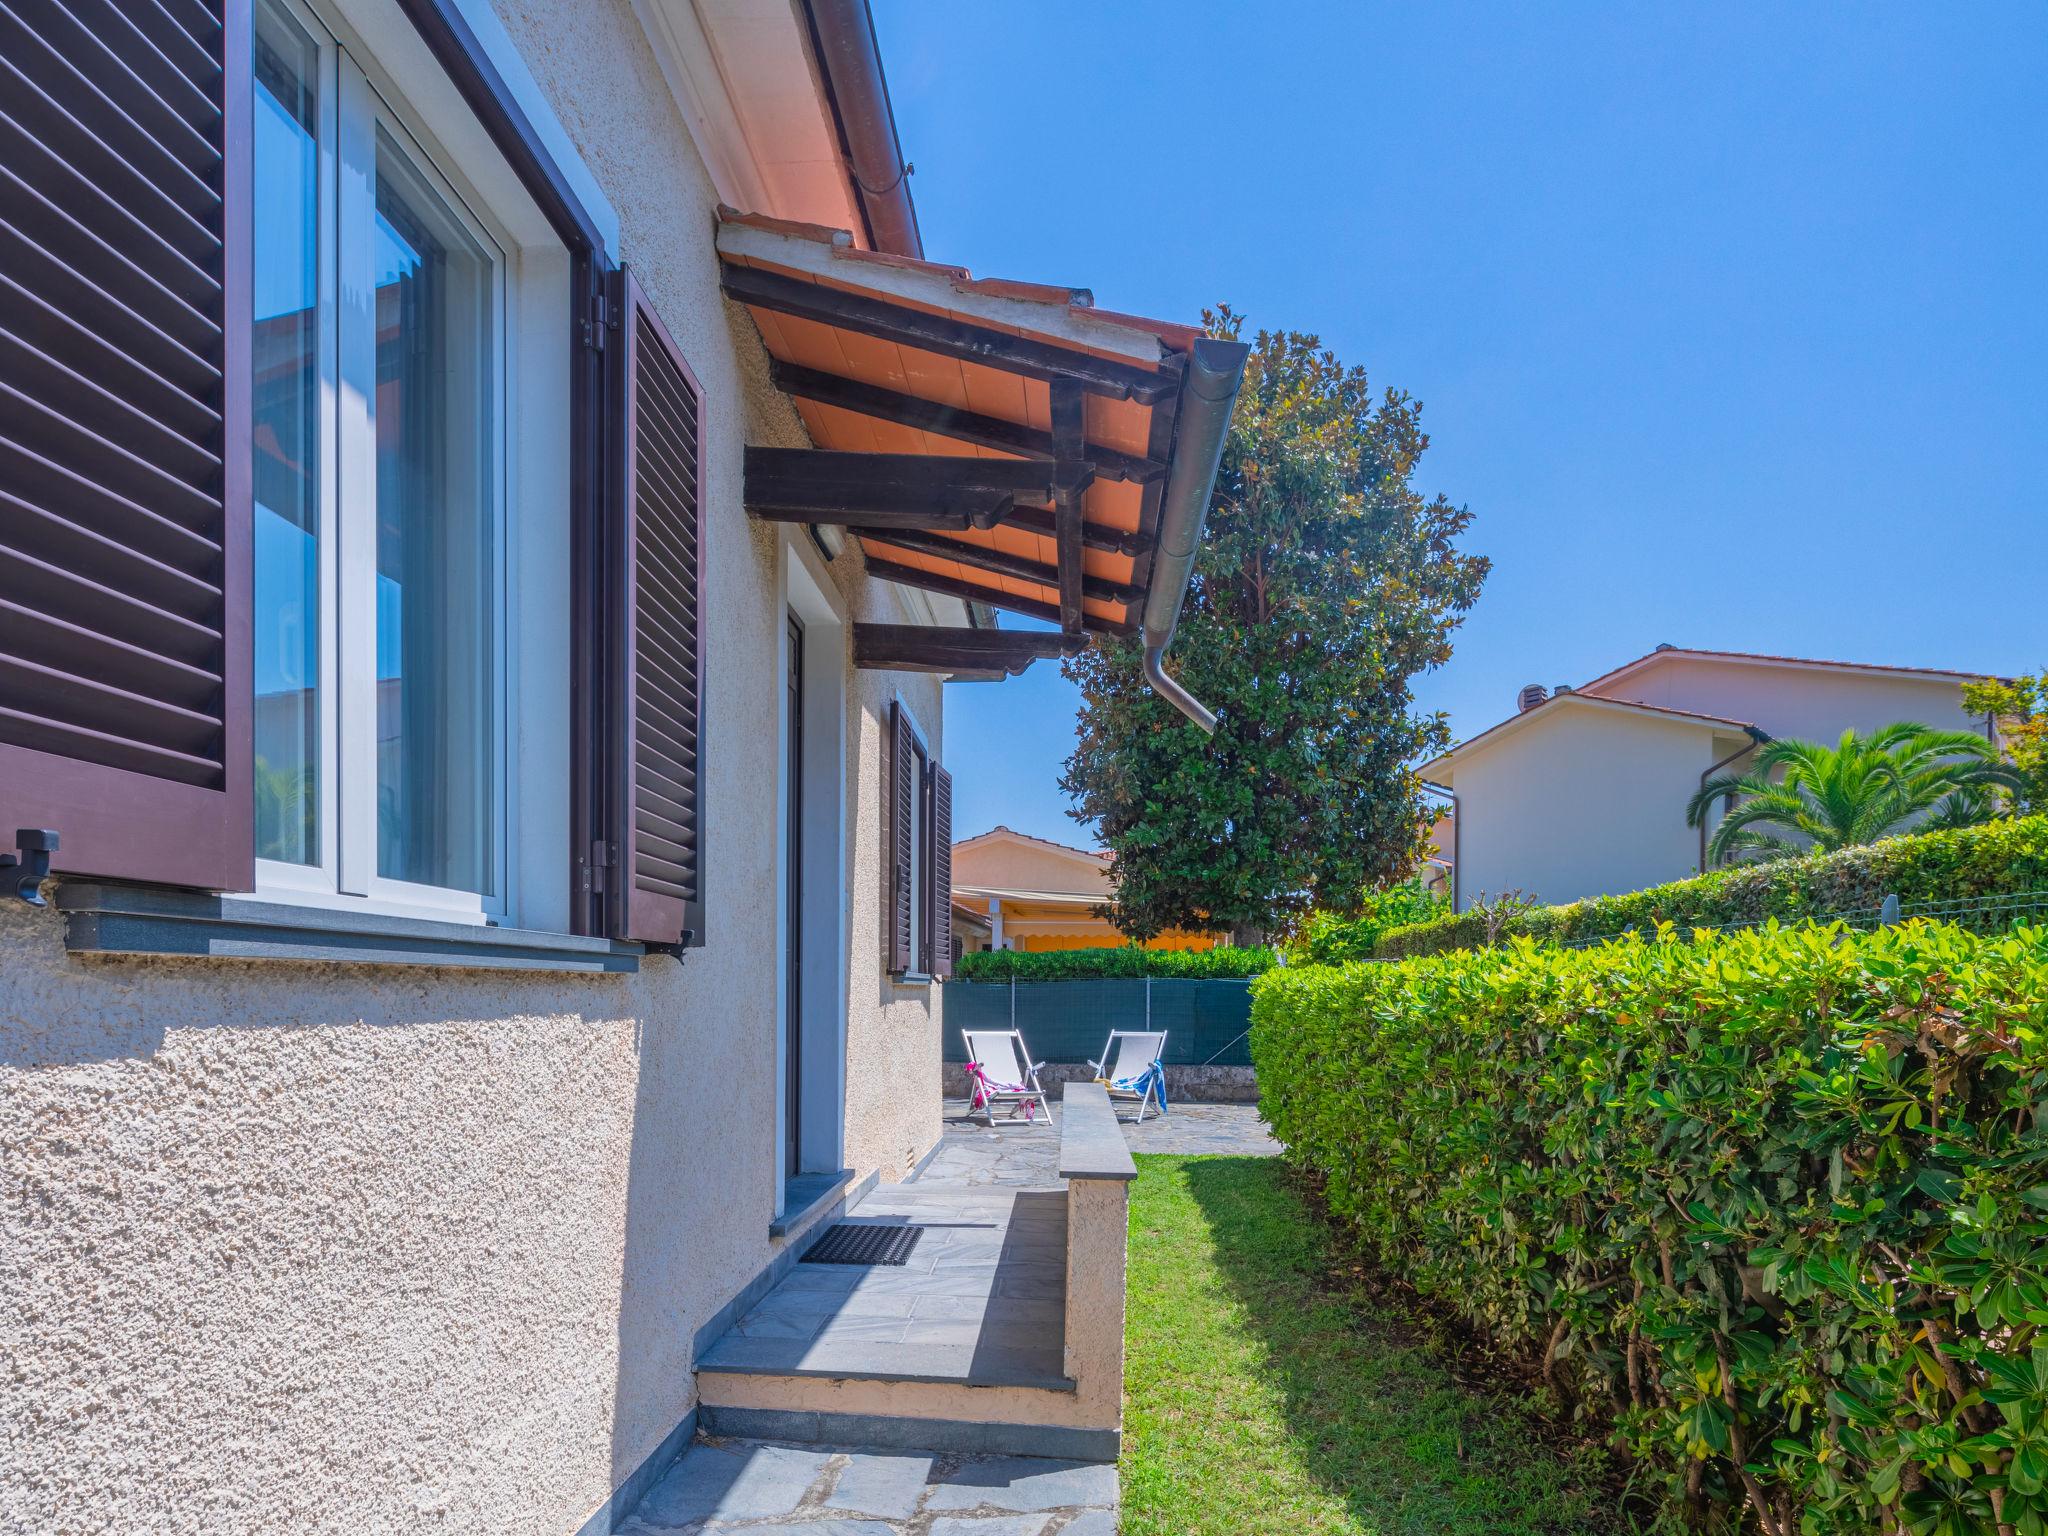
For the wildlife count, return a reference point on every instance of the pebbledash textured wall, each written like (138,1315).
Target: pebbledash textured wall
(358,1249)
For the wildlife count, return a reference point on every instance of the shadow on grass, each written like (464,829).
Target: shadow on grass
(1264,1392)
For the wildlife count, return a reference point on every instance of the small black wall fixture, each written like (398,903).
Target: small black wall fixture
(22,873)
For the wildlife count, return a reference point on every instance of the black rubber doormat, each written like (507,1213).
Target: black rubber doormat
(847,1244)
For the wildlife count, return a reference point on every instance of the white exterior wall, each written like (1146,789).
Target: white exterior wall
(352,1249)
(1582,803)
(1808,703)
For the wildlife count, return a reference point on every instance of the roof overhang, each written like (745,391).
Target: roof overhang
(999,442)
(1439,770)
(1606,682)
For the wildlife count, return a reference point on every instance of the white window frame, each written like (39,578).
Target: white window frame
(355,98)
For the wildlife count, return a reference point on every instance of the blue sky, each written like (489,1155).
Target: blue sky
(1730,322)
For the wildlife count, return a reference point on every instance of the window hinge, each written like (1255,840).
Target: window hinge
(601,320)
(602,856)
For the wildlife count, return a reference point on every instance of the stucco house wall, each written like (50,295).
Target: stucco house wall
(1016,865)
(1582,803)
(331,1248)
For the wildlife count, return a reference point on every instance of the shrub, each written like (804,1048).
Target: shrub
(1329,939)
(2000,858)
(1120,960)
(1772,1200)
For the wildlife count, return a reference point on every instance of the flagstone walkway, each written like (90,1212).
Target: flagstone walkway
(1026,1154)
(976,1194)
(747,1486)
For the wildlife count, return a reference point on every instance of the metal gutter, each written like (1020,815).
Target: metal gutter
(843,33)
(1215,372)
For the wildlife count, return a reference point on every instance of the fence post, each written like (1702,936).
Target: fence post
(1148,1002)
(1013,1002)
(1889,912)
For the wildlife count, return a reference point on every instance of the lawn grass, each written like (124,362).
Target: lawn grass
(1261,1395)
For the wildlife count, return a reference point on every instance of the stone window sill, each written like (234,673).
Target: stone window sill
(137,920)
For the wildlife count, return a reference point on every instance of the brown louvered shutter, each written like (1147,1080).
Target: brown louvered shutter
(902,807)
(941,885)
(659,889)
(124,435)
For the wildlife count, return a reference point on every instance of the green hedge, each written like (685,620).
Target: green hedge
(2000,858)
(1328,939)
(1122,960)
(1776,1202)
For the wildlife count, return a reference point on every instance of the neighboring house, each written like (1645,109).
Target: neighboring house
(1035,894)
(477,617)
(1582,792)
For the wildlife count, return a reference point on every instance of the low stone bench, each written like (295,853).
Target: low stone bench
(1096,1163)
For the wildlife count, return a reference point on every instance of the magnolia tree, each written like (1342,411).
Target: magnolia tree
(1325,583)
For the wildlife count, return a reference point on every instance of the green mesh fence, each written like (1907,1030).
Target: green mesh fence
(1069,1021)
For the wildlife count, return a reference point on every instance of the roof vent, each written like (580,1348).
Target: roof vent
(1530,697)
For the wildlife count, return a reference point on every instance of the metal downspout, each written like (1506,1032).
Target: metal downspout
(1756,739)
(1208,393)
(844,33)
(1457,831)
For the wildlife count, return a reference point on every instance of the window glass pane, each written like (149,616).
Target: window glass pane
(287,444)
(436,562)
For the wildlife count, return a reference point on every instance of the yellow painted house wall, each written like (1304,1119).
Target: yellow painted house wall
(1037,943)
(1073,879)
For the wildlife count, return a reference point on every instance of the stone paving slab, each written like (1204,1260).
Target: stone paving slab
(981,1298)
(763,1489)
(1027,1156)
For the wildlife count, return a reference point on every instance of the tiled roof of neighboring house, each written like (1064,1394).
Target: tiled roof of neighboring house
(1086,853)
(1784,661)
(1599,700)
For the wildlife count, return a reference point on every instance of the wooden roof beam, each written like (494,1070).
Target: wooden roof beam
(897,489)
(982,652)
(1111,541)
(944,336)
(1068,414)
(998,562)
(975,592)
(961,425)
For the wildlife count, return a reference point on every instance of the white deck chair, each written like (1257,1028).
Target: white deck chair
(1128,1058)
(1008,1074)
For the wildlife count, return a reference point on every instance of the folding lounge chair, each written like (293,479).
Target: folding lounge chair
(1133,1068)
(1000,1071)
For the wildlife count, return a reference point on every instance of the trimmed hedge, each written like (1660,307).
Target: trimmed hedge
(1328,939)
(2000,858)
(1119,960)
(1775,1201)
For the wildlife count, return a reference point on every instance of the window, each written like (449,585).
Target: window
(380,561)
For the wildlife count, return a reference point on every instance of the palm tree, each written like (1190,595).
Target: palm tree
(1824,798)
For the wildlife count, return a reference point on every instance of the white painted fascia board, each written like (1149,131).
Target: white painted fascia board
(1072,323)
(682,48)
(505,58)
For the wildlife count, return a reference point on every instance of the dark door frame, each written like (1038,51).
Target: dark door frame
(793,911)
